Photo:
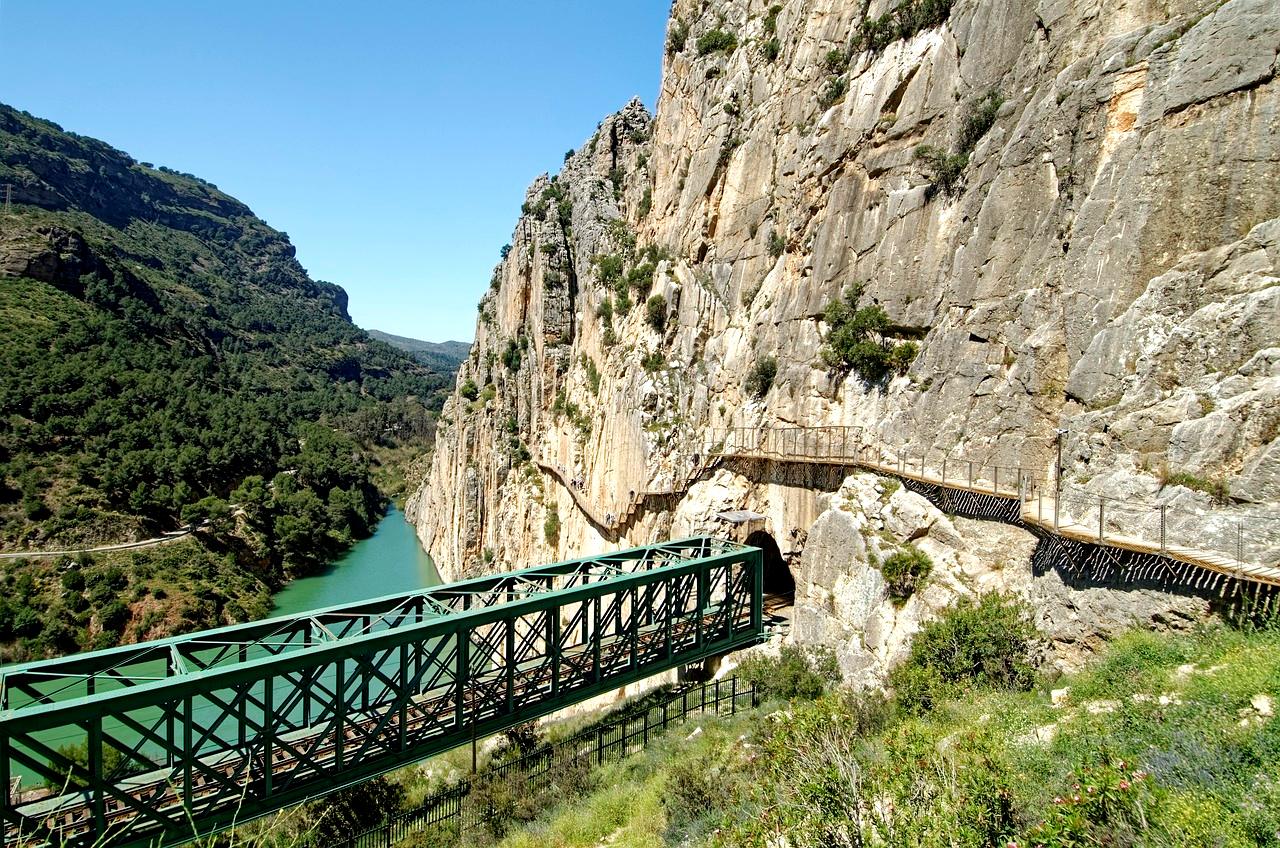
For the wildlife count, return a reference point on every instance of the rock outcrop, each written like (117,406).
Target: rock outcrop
(1091,245)
(842,600)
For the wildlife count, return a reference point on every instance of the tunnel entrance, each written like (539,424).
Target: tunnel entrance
(777,577)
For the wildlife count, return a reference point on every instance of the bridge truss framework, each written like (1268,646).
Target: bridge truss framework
(148,744)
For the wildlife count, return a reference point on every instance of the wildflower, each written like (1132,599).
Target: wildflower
(1057,799)
(1139,775)
(1124,784)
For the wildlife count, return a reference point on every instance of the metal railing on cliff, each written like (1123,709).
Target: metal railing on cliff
(1230,542)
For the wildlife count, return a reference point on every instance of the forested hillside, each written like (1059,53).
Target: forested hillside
(167,360)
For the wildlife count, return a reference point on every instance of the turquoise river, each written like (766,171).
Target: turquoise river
(388,562)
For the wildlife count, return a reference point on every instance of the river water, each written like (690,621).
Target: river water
(388,562)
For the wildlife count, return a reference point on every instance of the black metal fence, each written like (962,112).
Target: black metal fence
(613,739)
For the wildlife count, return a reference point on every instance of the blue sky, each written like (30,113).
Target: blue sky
(392,140)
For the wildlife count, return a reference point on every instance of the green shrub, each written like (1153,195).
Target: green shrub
(677,37)
(832,93)
(794,674)
(771,48)
(857,339)
(717,41)
(985,644)
(836,61)
(469,390)
(653,361)
(944,170)
(771,19)
(655,312)
(901,356)
(646,202)
(760,380)
(980,117)
(777,243)
(904,571)
(694,790)
(513,353)
(1216,488)
(1101,805)
(551,526)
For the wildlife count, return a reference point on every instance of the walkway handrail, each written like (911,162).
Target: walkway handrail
(1246,546)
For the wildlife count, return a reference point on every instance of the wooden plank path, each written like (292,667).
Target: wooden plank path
(1036,507)
(613,523)
(845,447)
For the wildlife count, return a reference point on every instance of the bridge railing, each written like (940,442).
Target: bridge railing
(627,733)
(1244,541)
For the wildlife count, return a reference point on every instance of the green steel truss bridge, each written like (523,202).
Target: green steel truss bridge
(148,744)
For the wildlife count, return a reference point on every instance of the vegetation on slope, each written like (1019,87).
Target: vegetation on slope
(1165,741)
(168,361)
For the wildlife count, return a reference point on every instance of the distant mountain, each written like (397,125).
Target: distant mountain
(444,356)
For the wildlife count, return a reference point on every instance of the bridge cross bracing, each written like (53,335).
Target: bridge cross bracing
(1241,545)
(146,744)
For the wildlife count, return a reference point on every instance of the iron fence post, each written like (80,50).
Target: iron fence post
(1163,509)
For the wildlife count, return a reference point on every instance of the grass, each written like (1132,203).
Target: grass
(1160,734)
(1216,488)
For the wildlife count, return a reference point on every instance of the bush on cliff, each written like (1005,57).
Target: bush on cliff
(716,41)
(904,570)
(858,339)
(974,645)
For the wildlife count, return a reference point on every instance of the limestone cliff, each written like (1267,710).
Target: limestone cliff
(1091,241)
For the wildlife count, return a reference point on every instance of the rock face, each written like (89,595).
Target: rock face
(842,602)
(1106,261)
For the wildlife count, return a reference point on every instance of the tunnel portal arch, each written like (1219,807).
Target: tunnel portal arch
(777,576)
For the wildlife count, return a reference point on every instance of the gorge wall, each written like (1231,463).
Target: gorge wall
(1106,260)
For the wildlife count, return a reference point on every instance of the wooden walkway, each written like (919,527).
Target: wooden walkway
(835,446)
(614,523)
(844,447)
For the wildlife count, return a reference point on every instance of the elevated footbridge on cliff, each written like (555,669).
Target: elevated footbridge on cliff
(1234,544)
(149,744)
